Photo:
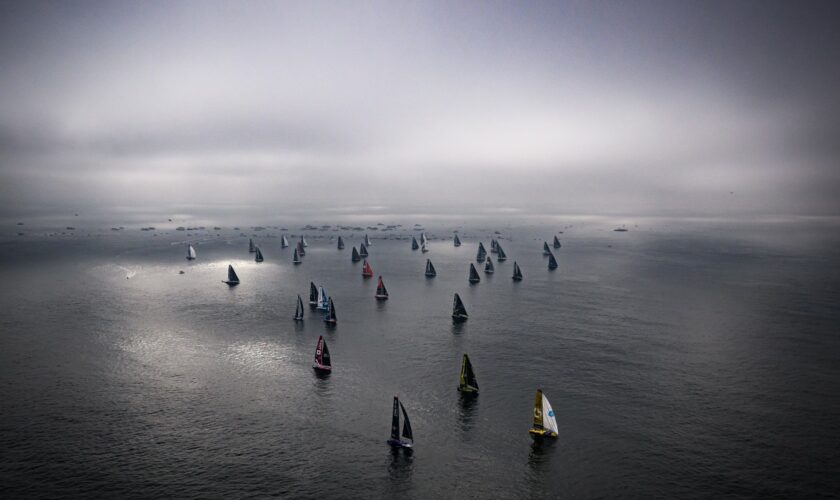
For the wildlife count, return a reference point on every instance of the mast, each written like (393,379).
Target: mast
(395,421)
(473,274)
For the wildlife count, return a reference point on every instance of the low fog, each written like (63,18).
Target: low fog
(672,108)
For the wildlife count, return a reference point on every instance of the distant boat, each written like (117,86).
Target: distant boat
(233,279)
(259,256)
(493,244)
(251,247)
(545,424)
(621,230)
(488,266)
(517,273)
(363,250)
(313,295)
(284,243)
(459,312)
(190,252)
(303,242)
(407,439)
(299,309)
(556,242)
(414,245)
(501,256)
(546,250)
(456,241)
(300,249)
(381,292)
(552,262)
(367,271)
(468,382)
(423,247)
(323,301)
(474,278)
(430,269)
(340,243)
(367,240)
(423,239)
(322,356)
(355,257)
(482,253)
(329,317)
(296,257)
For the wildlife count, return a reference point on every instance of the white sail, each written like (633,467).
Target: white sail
(322,298)
(549,421)
(191,252)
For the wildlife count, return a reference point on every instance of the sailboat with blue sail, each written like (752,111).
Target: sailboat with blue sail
(323,300)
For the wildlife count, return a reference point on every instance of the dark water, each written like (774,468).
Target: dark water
(682,362)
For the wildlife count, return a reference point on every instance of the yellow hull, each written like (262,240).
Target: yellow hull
(542,433)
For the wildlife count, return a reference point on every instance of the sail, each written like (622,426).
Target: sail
(232,277)
(313,294)
(552,262)
(473,274)
(546,250)
(538,410)
(355,257)
(284,242)
(367,271)
(430,269)
(322,298)
(322,355)
(423,247)
(406,433)
(381,291)
(458,309)
(303,242)
(482,253)
(517,273)
(395,420)
(363,250)
(329,317)
(414,245)
(299,309)
(468,381)
(500,253)
(556,242)
(488,267)
(367,240)
(493,245)
(259,256)
(300,249)
(423,238)
(296,257)
(190,252)
(340,243)
(549,421)
(456,241)
(251,247)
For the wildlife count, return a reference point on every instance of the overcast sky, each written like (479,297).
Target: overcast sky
(672,107)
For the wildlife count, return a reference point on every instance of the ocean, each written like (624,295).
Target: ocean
(683,359)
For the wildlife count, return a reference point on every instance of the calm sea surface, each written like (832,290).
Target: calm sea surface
(682,361)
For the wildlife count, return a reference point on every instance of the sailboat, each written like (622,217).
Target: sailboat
(546,250)
(423,238)
(473,274)
(259,256)
(482,253)
(414,245)
(299,309)
(381,292)
(556,242)
(367,271)
(313,294)
(303,242)
(493,244)
(407,439)
(322,357)
(190,252)
(329,317)
(300,249)
(456,241)
(340,243)
(488,266)
(355,257)
(459,312)
(367,240)
(517,273)
(284,243)
(423,247)
(296,258)
(501,256)
(251,247)
(233,279)
(552,262)
(363,250)
(430,269)
(323,301)
(545,425)
(468,383)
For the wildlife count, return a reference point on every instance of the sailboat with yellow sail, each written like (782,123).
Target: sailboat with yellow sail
(545,424)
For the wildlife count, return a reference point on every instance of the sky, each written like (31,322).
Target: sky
(673,107)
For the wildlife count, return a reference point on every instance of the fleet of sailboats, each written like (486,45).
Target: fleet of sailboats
(545,423)
(406,440)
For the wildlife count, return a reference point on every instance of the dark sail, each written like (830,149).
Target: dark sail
(330,316)
(546,250)
(473,274)
(363,250)
(517,273)
(300,249)
(414,245)
(552,262)
(322,356)
(468,382)
(325,357)
(233,279)
(459,312)
(482,253)
(340,243)
(259,256)
(457,241)
(313,294)
(556,242)
(488,267)
(381,292)
(284,242)
(299,309)
(430,269)
(296,257)
(500,254)
(355,257)
(367,240)
(406,433)
(395,420)
(251,247)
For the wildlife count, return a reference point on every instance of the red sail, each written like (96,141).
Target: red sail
(367,271)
